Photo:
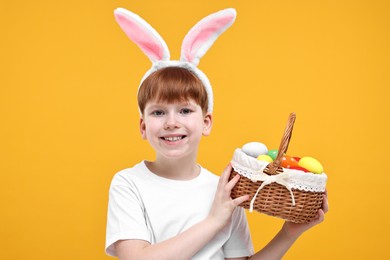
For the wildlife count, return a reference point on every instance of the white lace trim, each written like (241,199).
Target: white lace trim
(252,169)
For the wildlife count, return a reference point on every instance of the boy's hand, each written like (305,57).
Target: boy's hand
(223,205)
(294,230)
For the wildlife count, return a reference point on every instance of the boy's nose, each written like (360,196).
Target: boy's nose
(171,122)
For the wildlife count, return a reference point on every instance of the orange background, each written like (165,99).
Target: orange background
(69,118)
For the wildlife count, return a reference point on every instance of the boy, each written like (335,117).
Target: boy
(172,208)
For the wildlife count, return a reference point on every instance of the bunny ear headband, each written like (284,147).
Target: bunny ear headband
(195,44)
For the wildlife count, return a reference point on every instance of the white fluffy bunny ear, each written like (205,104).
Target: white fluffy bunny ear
(200,38)
(142,34)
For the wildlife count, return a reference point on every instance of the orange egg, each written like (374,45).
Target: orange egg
(288,162)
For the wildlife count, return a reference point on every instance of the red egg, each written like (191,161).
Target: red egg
(288,162)
(299,168)
(297,158)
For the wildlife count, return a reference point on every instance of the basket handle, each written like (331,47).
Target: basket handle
(274,167)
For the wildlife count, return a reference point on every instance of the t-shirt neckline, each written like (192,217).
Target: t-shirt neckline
(164,180)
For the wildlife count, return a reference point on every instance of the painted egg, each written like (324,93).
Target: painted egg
(254,149)
(264,157)
(288,162)
(273,153)
(311,165)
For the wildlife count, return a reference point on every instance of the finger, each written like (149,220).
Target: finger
(239,200)
(318,219)
(225,175)
(321,216)
(325,205)
(223,179)
(230,185)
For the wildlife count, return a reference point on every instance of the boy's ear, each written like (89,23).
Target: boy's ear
(142,128)
(207,124)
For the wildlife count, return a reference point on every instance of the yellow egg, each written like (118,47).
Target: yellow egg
(311,165)
(265,157)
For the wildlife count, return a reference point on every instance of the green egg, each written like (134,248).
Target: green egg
(273,154)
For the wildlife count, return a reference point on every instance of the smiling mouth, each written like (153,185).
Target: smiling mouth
(174,138)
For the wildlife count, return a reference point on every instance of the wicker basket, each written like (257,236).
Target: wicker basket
(275,199)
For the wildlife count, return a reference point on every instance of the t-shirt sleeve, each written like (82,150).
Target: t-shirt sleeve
(240,243)
(125,217)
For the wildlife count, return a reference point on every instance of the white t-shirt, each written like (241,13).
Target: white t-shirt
(145,206)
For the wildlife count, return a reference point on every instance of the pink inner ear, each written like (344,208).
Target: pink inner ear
(140,36)
(205,33)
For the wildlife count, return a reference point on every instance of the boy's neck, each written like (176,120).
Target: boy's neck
(175,169)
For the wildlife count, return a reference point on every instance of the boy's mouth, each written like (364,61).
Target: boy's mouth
(173,138)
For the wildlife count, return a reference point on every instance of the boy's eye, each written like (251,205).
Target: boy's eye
(158,113)
(185,111)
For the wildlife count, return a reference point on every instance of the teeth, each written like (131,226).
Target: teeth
(173,139)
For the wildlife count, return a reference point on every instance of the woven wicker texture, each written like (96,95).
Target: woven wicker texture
(275,199)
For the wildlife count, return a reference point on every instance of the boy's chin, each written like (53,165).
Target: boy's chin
(177,155)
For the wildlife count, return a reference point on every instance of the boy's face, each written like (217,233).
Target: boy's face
(174,130)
